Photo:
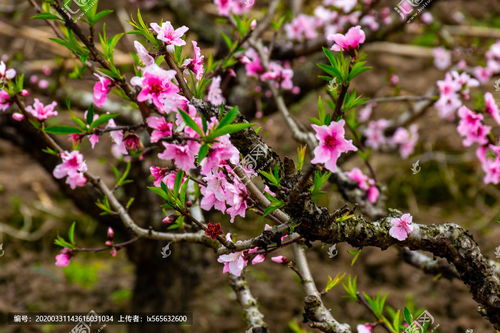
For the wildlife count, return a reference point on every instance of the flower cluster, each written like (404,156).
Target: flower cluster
(454,87)
(73,167)
(280,73)
(238,7)
(365,183)
(403,139)
(333,17)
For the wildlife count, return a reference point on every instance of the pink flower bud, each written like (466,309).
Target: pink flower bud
(253,25)
(25,92)
(18,116)
(108,243)
(132,142)
(280,260)
(111,233)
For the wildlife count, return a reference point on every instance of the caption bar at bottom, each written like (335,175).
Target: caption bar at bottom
(182,318)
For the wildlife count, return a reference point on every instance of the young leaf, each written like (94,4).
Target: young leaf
(190,122)
(229,117)
(63,130)
(102,119)
(229,129)
(71,233)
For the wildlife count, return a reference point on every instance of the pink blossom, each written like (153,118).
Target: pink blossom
(64,257)
(491,107)
(5,101)
(43,84)
(490,163)
(365,328)
(483,74)
(220,152)
(41,112)
(117,137)
(143,54)
(471,127)
(195,64)
(370,21)
(73,166)
(170,36)
(161,127)
(259,258)
(302,27)
(253,65)
(345,5)
(365,183)
(215,93)
(157,87)
(493,58)
(447,105)
(281,75)
(94,139)
(442,58)
(401,227)
(234,263)
(374,134)
(18,116)
(350,41)
(236,199)
(394,79)
(101,90)
(406,139)
(224,6)
(325,16)
(182,155)
(427,18)
(332,144)
(280,260)
(6,74)
(162,175)
(366,111)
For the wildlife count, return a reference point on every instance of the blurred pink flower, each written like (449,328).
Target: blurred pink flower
(41,112)
(64,257)
(215,93)
(195,64)
(492,107)
(101,90)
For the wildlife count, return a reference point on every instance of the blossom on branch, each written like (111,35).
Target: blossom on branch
(42,112)
(170,36)
(73,166)
(332,143)
(101,90)
(401,227)
(350,41)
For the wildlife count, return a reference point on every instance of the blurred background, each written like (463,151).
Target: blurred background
(35,209)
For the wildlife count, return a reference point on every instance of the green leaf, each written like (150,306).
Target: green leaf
(63,130)
(230,129)
(90,114)
(190,122)
(229,117)
(301,156)
(99,16)
(102,119)
(178,181)
(203,152)
(59,241)
(71,233)
(183,193)
(333,282)
(159,192)
(350,286)
(47,16)
(407,315)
